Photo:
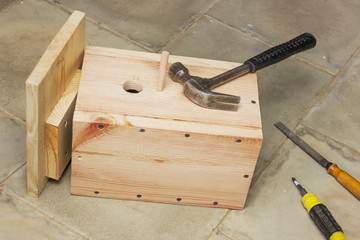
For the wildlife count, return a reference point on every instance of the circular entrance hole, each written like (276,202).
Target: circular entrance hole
(132,87)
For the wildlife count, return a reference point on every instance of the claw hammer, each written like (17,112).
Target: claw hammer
(198,89)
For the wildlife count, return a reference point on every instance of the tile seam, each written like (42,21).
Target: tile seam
(267,163)
(263,42)
(8,6)
(12,116)
(102,26)
(12,173)
(60,224)
(226,235)
(177,35)
(219,224)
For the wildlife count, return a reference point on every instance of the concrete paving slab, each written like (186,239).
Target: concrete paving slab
(97,36)
(274,209)
(338,113)
(287,90)
(12,146)
(151,23)
(27,27)
(206,39)
(98,218)
(20,221)
(334,24)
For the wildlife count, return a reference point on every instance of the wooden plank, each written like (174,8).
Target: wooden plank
(106,71)
(122,162)
(44,88)
(159,144)
(58,131)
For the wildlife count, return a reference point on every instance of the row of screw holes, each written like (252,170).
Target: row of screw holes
(143,130)
(178,199)
(188,135)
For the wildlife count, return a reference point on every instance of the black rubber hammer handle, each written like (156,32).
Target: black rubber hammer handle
(278,53)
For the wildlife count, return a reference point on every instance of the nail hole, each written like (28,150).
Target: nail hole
(142,130)
(66,123)
(253,101)
(246,176)
(101,126)
(215,203)
(187,135)
(238,140)
(132,87)
(139,196)
(79,158)
(96,192)
(178,199)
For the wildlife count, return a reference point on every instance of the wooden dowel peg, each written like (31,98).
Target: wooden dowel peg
(163,67)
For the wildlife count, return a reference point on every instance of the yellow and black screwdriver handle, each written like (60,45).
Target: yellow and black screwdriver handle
(322,217)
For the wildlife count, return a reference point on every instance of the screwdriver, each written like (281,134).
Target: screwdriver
(345,179)
(320,214)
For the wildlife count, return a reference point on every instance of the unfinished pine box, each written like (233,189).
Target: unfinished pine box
(133,142)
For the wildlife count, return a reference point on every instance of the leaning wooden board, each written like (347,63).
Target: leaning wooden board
(159,146)
(50,99)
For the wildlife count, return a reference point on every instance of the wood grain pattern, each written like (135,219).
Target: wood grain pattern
(44,88)
(161,165)
(58,131)
(162,70)
(159,144)
(105,71)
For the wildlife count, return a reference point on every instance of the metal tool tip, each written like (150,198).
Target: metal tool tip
(299,187)
(295,181)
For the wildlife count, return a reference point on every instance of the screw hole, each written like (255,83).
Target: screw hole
(142,130)
(238,140)
(187,135)
(96,192)
(178,199)
(132,87)
(253,101)
(215,203)
(139,196)
(101,127)
(79,158)
(246,176)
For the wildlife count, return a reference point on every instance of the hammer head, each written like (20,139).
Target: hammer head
(195,90)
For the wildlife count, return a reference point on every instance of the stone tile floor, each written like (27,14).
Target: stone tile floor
(315,93)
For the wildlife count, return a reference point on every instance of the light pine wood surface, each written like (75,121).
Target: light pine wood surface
(44,87)
(58,131)
(159,146)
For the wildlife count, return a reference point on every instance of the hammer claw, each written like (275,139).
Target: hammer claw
(222,101)
(223,106)
(224,98)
